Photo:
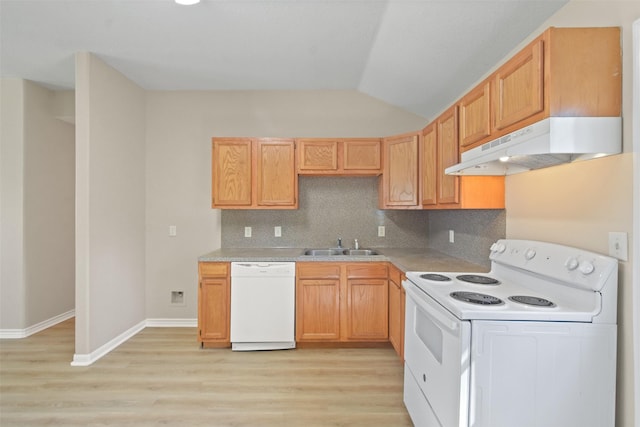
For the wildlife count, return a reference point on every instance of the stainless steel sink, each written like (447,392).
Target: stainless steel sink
(339,251)
(324,252)
(360,252)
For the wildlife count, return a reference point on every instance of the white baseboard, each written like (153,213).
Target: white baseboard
(172,323)
(34,329)
(88,359)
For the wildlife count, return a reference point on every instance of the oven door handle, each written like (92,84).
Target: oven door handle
(437,314)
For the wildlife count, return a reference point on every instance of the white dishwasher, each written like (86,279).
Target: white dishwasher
(263,299)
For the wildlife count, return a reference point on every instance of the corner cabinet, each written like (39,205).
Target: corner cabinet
(341,302)
(342,157)
(565,72)
(254,173)
(214,302)
(399,188)
(439,149)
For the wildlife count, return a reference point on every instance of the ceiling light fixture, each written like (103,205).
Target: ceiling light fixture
(187,2)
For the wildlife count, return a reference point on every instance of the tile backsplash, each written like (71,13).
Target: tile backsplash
(346,207)
(329,207)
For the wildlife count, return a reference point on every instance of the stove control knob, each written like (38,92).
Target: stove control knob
(586,267)
(501,247)
(530,254)
(571,264)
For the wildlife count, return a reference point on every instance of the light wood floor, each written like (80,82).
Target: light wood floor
(162,377)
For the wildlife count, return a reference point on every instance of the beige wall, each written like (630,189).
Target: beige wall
(578,204)
(12,292)
(37,208)
(110,198)
(49,205)
(179,130)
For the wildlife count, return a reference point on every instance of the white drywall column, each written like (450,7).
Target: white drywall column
(110,208)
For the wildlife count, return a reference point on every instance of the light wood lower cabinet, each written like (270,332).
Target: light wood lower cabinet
(214,302)
(341,302)
(396,310)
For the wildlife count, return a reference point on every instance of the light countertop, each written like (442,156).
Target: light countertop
(406,259)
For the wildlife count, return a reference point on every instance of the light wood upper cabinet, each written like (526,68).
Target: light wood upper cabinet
(448,190)
(277,182)
(475,117)
(214,301)
(565,72)
(400,188)
(232,172)
(254,173)
(518,86)
(438,150)
(317,155)
(362,155)
(428,165)
(343,157)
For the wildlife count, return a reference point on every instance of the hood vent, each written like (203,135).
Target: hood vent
(549,142)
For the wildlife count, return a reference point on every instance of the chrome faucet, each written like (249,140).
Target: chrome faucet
(340,242)
(355,244)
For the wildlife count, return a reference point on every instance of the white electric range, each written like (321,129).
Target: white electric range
(531,343)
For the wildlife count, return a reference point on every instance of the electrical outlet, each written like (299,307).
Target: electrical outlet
(247,232)
(173,231)
(451,236)
(618,245)
(381,231)
(277,231)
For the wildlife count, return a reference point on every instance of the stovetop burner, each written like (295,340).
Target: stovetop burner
(435,277)
(476,298)
(529,300)
(478,279)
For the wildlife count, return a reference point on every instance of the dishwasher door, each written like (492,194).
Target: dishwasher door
(262,305)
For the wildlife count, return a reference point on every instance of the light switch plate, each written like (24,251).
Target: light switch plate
(277,231)
(247,232)
(381,231)
(618,245)
(173,230)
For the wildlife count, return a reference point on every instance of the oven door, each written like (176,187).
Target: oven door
(437,350)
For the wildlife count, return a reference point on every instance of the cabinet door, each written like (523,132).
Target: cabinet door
(231,173)
(475,122)
(448,185)
(276,176)
(396,312)
(213,311)
(400,188)
(361,155)
(428,165)
(367,309)
(318,310)
(518,86)
(317,155)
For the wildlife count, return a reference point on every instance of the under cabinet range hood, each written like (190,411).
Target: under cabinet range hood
(549,142)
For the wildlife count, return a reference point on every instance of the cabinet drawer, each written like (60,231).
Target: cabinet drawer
(317,270)
(366,270)
(213,269)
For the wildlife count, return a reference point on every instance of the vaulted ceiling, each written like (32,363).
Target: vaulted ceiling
(418,55)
